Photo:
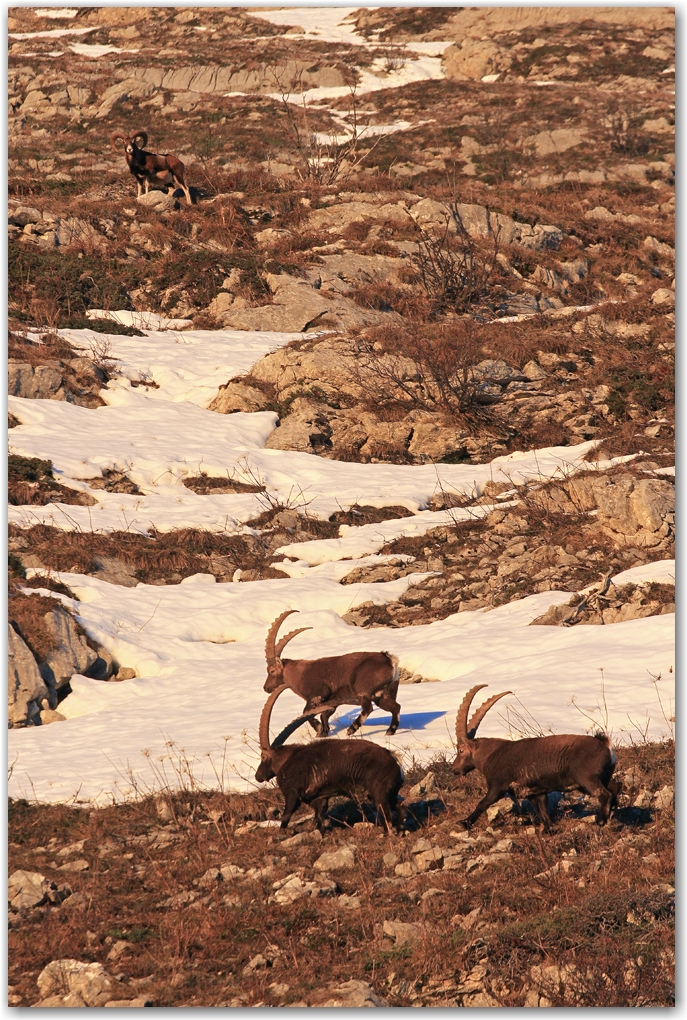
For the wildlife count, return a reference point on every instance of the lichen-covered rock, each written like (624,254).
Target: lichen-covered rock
(88,982)
(26,689)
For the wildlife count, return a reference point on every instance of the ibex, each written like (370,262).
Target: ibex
(312,773)
(147,166)
(533,767)
(357,678)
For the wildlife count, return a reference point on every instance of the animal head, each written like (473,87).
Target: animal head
(273,650)
(465,732)
(266,768)
(136,140)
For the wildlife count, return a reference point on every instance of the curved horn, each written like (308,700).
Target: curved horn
(115,136)
(294,725)
(481,712)
(285,640)
(140,134)
(462,716)
(270,653)
(264,728)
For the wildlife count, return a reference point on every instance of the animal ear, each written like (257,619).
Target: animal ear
(143,135)
(114,138)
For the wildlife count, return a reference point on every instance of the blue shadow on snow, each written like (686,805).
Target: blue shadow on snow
(409,720)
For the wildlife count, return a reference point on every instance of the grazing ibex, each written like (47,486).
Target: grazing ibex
(312,773)
(533,767)
(357,678)
(148,166)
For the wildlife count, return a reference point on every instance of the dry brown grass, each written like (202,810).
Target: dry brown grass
(608,910)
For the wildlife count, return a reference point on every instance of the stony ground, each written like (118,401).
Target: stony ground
(192,900)
(518,225)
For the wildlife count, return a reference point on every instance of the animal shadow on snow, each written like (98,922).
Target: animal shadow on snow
(408,720)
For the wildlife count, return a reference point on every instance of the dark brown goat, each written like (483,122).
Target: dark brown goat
(148,167)
(312,773)
(357,678)
(536,766)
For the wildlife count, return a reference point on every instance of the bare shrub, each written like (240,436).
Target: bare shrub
(325,158)
(454,271)
(426,367)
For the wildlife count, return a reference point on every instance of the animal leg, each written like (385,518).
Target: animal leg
(180,182)
(139,189)
(309,706)
(615,786)
(367,707)
(320,805)
(291,802)
(490,797)
(605,802)
(541,805)
(324,723)
(387,702)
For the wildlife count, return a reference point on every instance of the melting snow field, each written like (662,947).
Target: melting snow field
(198,647)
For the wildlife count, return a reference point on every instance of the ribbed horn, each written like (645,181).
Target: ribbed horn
(264,728)
(270,653)
(114,136)
(462,716)
(294,725)
(285,640)
(481,712)
(143,135)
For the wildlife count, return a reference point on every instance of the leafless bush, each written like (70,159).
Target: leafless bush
(455,273)
(427,367)
(395,57)
(623,133)
(325,158)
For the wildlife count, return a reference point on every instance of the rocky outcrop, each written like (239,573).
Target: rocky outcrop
(265,78)
(609,604)
(34,684)
(639,512)
(336,217)
(475,59)
(77,380)
(297,306)
(482,223)
(26,689)
(238,396)
(71,653)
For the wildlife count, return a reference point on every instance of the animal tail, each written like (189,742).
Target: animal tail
(394,663)
(603,738)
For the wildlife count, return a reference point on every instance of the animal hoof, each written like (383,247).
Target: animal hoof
(390,732)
